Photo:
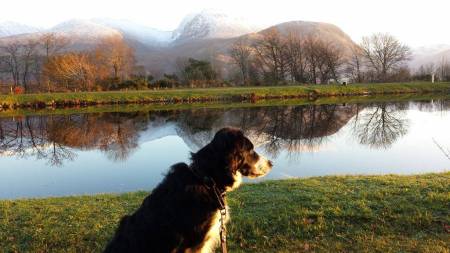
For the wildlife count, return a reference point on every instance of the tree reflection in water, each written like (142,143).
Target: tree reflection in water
(56,138)
(295,129)
(381,125)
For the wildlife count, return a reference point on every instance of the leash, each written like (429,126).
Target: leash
(220,196)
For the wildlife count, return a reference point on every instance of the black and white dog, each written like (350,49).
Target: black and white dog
(182,214)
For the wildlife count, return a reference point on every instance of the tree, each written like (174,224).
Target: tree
(241,53)
(355,65)
(444,70)
(384,53)
(114,54)
(53,44)
(295,54)
(270,56)
(18,59)
(10,59)
(198,71)
(331,61)
(75,70)
(28,59)
(313,58)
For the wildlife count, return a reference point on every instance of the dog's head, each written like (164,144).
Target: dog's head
(233,156)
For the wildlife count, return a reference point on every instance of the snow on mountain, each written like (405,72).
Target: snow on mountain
(203,25)
(211,24)
(138,32)
(425,55)
(430,50)
(85,29)
(8,28)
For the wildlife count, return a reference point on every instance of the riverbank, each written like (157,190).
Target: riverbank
(325,214)
(237,94)
(129,108)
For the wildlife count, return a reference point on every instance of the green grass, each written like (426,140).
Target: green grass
(224,105)
(215,94)
(325,214)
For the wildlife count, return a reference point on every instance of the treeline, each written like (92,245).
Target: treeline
(46,64)
(275,57)
(439,71)
(49,63)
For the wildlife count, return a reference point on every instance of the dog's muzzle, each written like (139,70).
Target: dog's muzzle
(262,167)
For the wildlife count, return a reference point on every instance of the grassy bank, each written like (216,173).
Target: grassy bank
(327,214)
(128,108)
(216,94)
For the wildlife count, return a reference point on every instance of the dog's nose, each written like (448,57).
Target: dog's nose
(269,162)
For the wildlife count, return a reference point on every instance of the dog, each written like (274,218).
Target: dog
(183,213)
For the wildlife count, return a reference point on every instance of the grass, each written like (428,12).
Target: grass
(217,94)
(224,105)
(325,214)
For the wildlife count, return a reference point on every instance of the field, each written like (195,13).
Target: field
(325,214)
(215,94)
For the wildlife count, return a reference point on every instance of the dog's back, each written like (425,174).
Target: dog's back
(161,223)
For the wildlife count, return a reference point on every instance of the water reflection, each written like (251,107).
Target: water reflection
(295,129)
(381,125)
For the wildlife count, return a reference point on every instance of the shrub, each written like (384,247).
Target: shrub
(19,90)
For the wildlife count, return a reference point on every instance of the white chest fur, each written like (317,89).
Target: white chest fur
(212,237)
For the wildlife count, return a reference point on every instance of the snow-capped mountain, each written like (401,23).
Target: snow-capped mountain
(8,28)
(202,25)
(434,54)
(211,24)
(430,50)
(86,29)
(138,32)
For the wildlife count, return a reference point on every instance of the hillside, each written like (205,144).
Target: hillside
(205,35)
(216,49)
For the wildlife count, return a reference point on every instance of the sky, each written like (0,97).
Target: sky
(415,22)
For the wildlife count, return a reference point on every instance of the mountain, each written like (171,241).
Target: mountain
(9,28)
(210,24)
(429,55)
(138,32)
(206,35)
(83,29)
(216,50)
(325,31)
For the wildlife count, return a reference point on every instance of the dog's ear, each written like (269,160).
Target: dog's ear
(228,139)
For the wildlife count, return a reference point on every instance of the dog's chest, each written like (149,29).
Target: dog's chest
(212,236)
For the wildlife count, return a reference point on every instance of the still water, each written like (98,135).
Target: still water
(58,155)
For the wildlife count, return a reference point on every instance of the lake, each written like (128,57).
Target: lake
(59,155)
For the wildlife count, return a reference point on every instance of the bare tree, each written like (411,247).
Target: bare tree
(10,57)
(53,44)
(332,61)
(355,66)
(269,54)
(18,58)
(384,53)
(241,53)
(313,58)
(444,70)
(296,56)
(29,59)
